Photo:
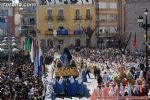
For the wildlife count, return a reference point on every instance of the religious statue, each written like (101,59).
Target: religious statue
(66,62)
(65,57)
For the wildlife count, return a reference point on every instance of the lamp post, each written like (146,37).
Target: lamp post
(10,42)
(9,55)
(145,25)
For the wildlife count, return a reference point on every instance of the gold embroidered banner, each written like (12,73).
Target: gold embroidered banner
(66,72)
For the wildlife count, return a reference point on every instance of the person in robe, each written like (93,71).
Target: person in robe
(83,74)
(135,89)
(50,92)
(71,88)
(121,93)
(61,85)
(55,86)
(79,86)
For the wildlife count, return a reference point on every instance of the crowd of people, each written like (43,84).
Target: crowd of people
(109,62)
(105,64)
(20,84)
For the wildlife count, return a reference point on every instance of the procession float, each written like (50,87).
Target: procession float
(123,76)
(67,81)
(66,66)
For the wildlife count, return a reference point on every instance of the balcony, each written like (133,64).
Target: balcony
(88,18)
(28,23)
(62,32)
(49,18)
(60,18)
(78,18)
(49,31)
(78,32)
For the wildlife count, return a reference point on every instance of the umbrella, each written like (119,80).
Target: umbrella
(3,44)
(13,37)
(4,40)
(13,40)
(5,37)
(13,44)
(1,49)
(15,50)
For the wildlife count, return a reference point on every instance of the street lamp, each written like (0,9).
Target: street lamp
(145,25)
(10,42)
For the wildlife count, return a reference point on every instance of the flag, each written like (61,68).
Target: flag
(27,41)
(134,42)
(34,47)
(32,53)
(40,61)
(36,62)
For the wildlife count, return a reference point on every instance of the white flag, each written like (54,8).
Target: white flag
(32,53)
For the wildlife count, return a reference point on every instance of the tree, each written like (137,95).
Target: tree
(89,31)
(122,39)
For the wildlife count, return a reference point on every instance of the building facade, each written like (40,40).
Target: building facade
(25,20)
(109,20)
(133,9)
(6,21)
(28,18)
(61,22)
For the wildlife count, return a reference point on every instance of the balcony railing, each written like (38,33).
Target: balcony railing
(28,23)
(88,18)
(49,18)
(50,29)
(60,18)
(78,18)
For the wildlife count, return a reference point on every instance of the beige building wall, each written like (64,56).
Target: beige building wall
(69,22)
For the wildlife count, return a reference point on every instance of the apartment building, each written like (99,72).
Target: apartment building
(110,21)
(28,19)
(61,22)
(6,21)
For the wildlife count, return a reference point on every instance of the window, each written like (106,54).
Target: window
(2,20)
(32,21)
(97,6)
(78,26)
(113,17)
(60,13)
(77,13)
(102,5)
(113,5)
(49,12)
(3,12)
(50,27)
(112,29)
(103,18)
(97,17)
(87,13)
(60,0)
